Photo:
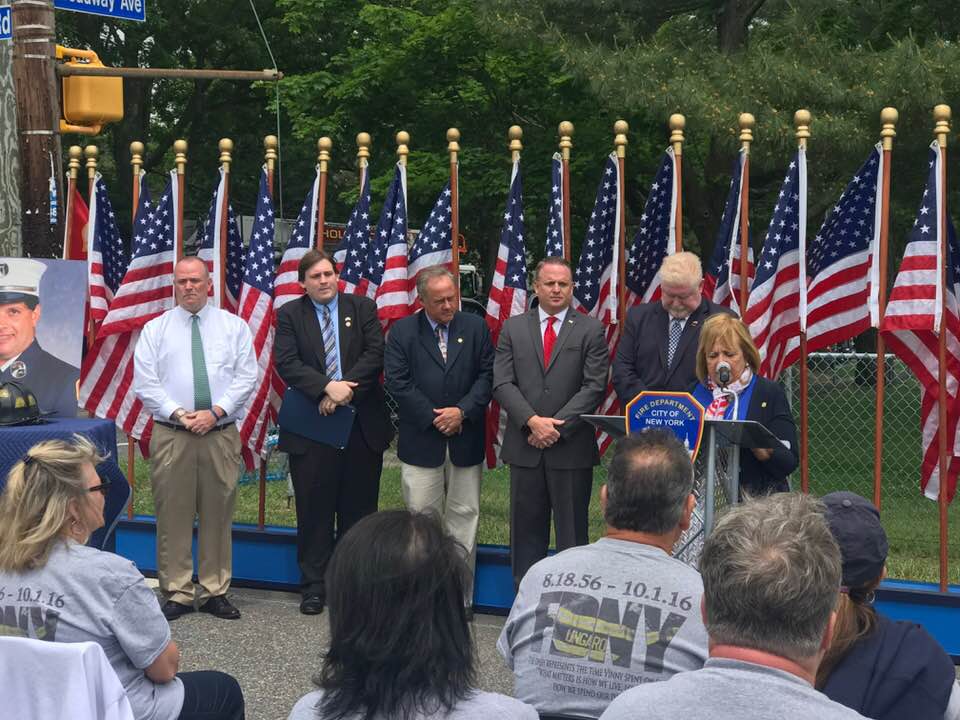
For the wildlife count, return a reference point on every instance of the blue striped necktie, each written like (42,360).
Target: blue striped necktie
(330,346)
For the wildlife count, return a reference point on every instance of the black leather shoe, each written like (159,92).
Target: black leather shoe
(172,610)
(220,607)
(468,613)
(312,604)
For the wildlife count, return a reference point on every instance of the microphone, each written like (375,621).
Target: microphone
(724,372)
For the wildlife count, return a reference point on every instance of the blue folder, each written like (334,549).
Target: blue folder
(301,416)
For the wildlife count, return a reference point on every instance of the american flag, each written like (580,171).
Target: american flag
(431,246)
(209,250)
(107,256)
(508,295)
(773,307)
(256,309)
(554,246)
(912,324)
(724,272)
(106,377)
(656,236)
(353,255)
(841,298)
(387,270)
(286,286)
(595,289)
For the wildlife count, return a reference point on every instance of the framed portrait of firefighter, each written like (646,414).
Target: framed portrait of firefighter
(41,329)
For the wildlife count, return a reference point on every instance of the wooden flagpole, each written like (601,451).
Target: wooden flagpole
(270,154)
(136,163)
(453,147)
(324,145)
(888,120)
(73,172)
(180,160)
(801,119)
(226,149)
(91,152)
(566,145)
(620,129)
(515,135)
(941,115)
(363,154)
(747,123)
(677,123)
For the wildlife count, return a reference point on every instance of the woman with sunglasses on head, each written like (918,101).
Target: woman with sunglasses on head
(59,589)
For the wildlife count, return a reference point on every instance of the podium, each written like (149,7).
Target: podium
(724,440)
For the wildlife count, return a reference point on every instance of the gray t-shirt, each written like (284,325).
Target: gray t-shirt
(479,706)
(593,621)
(84,594)
(727,689)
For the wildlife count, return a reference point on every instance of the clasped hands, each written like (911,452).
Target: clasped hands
(200,422)
(543,431)
(336,393)
(448,420)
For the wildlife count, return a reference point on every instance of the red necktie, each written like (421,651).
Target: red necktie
(549,338)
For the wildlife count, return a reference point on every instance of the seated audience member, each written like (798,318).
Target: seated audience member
(881,668)
(725,339)
(592,621)
(400,644)
(771,577)
(60,590)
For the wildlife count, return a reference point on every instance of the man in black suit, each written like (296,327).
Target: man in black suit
(550,368)
(329,346)
(439,368)
(658,350)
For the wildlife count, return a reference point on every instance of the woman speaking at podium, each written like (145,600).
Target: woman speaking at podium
(727,363)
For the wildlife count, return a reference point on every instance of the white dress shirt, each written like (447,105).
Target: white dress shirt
(163,366)
(560,316)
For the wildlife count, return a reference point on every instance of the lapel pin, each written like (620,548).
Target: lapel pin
(346,321)
(459,340)
(570,321)
(763,404)
(695,323)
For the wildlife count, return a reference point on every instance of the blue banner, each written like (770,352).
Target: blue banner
(677,412)
(6,29)
(117,9)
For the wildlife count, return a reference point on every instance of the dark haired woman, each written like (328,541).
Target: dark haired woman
(400,644)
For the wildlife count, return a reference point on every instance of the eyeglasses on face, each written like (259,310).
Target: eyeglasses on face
(101,488)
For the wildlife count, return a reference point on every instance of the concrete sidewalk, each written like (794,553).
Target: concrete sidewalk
(273,650)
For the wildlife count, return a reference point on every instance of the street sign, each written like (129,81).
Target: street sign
(6,29)
(117,9)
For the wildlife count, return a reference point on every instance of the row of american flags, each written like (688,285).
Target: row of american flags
(825,287)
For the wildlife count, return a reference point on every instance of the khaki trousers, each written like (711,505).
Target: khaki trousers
(453,493)
(194,476)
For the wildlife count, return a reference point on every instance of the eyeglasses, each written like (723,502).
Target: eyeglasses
(101,488)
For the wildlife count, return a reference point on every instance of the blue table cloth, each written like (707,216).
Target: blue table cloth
(15,441)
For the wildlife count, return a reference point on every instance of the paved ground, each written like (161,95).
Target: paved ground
(273,649)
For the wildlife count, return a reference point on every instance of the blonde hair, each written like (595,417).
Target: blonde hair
(728,330)
(34,506)
(682,268)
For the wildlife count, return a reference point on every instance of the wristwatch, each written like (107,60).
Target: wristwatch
(178,414)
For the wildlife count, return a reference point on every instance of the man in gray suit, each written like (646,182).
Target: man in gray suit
(550,368)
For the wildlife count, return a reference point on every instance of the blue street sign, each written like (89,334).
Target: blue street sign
(677,412)
(117,9)
(6,29)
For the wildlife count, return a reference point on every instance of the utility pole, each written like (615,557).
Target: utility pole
(38,126)
(9,166)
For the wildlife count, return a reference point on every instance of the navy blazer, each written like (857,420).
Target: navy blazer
(419,380)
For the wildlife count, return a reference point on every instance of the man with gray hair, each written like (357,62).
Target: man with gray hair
(771,578)
(438,366)
(595,620)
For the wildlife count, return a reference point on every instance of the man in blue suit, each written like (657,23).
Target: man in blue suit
(438,366)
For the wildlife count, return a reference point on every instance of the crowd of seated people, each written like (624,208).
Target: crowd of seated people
(777,623)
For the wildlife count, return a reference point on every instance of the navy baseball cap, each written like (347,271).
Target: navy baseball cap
(855,524)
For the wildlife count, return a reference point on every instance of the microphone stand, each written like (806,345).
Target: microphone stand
(733,485)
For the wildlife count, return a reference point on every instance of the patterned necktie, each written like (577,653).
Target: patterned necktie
(676,329)
(330,346)
(441,342)
(549,338)
(201,383)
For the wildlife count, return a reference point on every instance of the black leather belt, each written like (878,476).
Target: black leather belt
(215,428)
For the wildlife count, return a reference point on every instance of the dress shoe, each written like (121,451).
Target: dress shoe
(312,604)
(172,610)
(468,613)
(220,607)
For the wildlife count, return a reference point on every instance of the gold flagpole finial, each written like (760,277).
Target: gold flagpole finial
(75,152)
(136,156)
(566,138)
(620,129)
(515,135)
(453,143)
(226,153)
(941,115)
(363,149)
(801,119)
(888,126)
(91,152)
(677,125)
(747,123)
(324,146)
(180,156)
(270,145)
(403,149)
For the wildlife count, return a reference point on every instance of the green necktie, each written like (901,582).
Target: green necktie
(201,384)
